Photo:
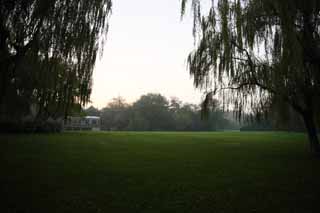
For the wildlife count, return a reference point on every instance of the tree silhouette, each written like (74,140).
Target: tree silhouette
(47,52)
(255,53)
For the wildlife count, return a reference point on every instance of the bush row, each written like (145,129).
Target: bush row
(31,127)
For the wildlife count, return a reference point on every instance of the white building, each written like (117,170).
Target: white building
(83,123)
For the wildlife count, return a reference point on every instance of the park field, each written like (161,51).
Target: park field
(158,172)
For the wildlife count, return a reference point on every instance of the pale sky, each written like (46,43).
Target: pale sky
(145,52)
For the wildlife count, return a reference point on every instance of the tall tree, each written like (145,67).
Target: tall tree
(255,53)
(48,50)
(153,111)
(115,116)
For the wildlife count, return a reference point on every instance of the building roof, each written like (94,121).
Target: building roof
(92,117)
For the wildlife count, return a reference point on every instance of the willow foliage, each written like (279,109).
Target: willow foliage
(263,51)
(48,50)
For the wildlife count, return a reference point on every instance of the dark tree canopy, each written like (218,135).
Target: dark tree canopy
(47,53)
(115,116)
(153,112)
(257,53)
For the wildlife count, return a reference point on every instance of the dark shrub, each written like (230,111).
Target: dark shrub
(31,127)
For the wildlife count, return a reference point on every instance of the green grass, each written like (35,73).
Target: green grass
(158,172)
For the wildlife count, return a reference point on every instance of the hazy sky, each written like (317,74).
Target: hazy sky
(146,51)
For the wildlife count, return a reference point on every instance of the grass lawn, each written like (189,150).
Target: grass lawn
(158,172)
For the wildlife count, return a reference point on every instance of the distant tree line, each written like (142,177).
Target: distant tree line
(274,118)
(154,112)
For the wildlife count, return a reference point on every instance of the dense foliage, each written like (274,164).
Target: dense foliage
(260,53)
(47,53)
(153,112)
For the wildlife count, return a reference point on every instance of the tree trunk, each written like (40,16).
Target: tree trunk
(4,80)
(312,133)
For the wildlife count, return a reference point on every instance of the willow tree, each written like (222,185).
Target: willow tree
(255,53)
(47,52)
